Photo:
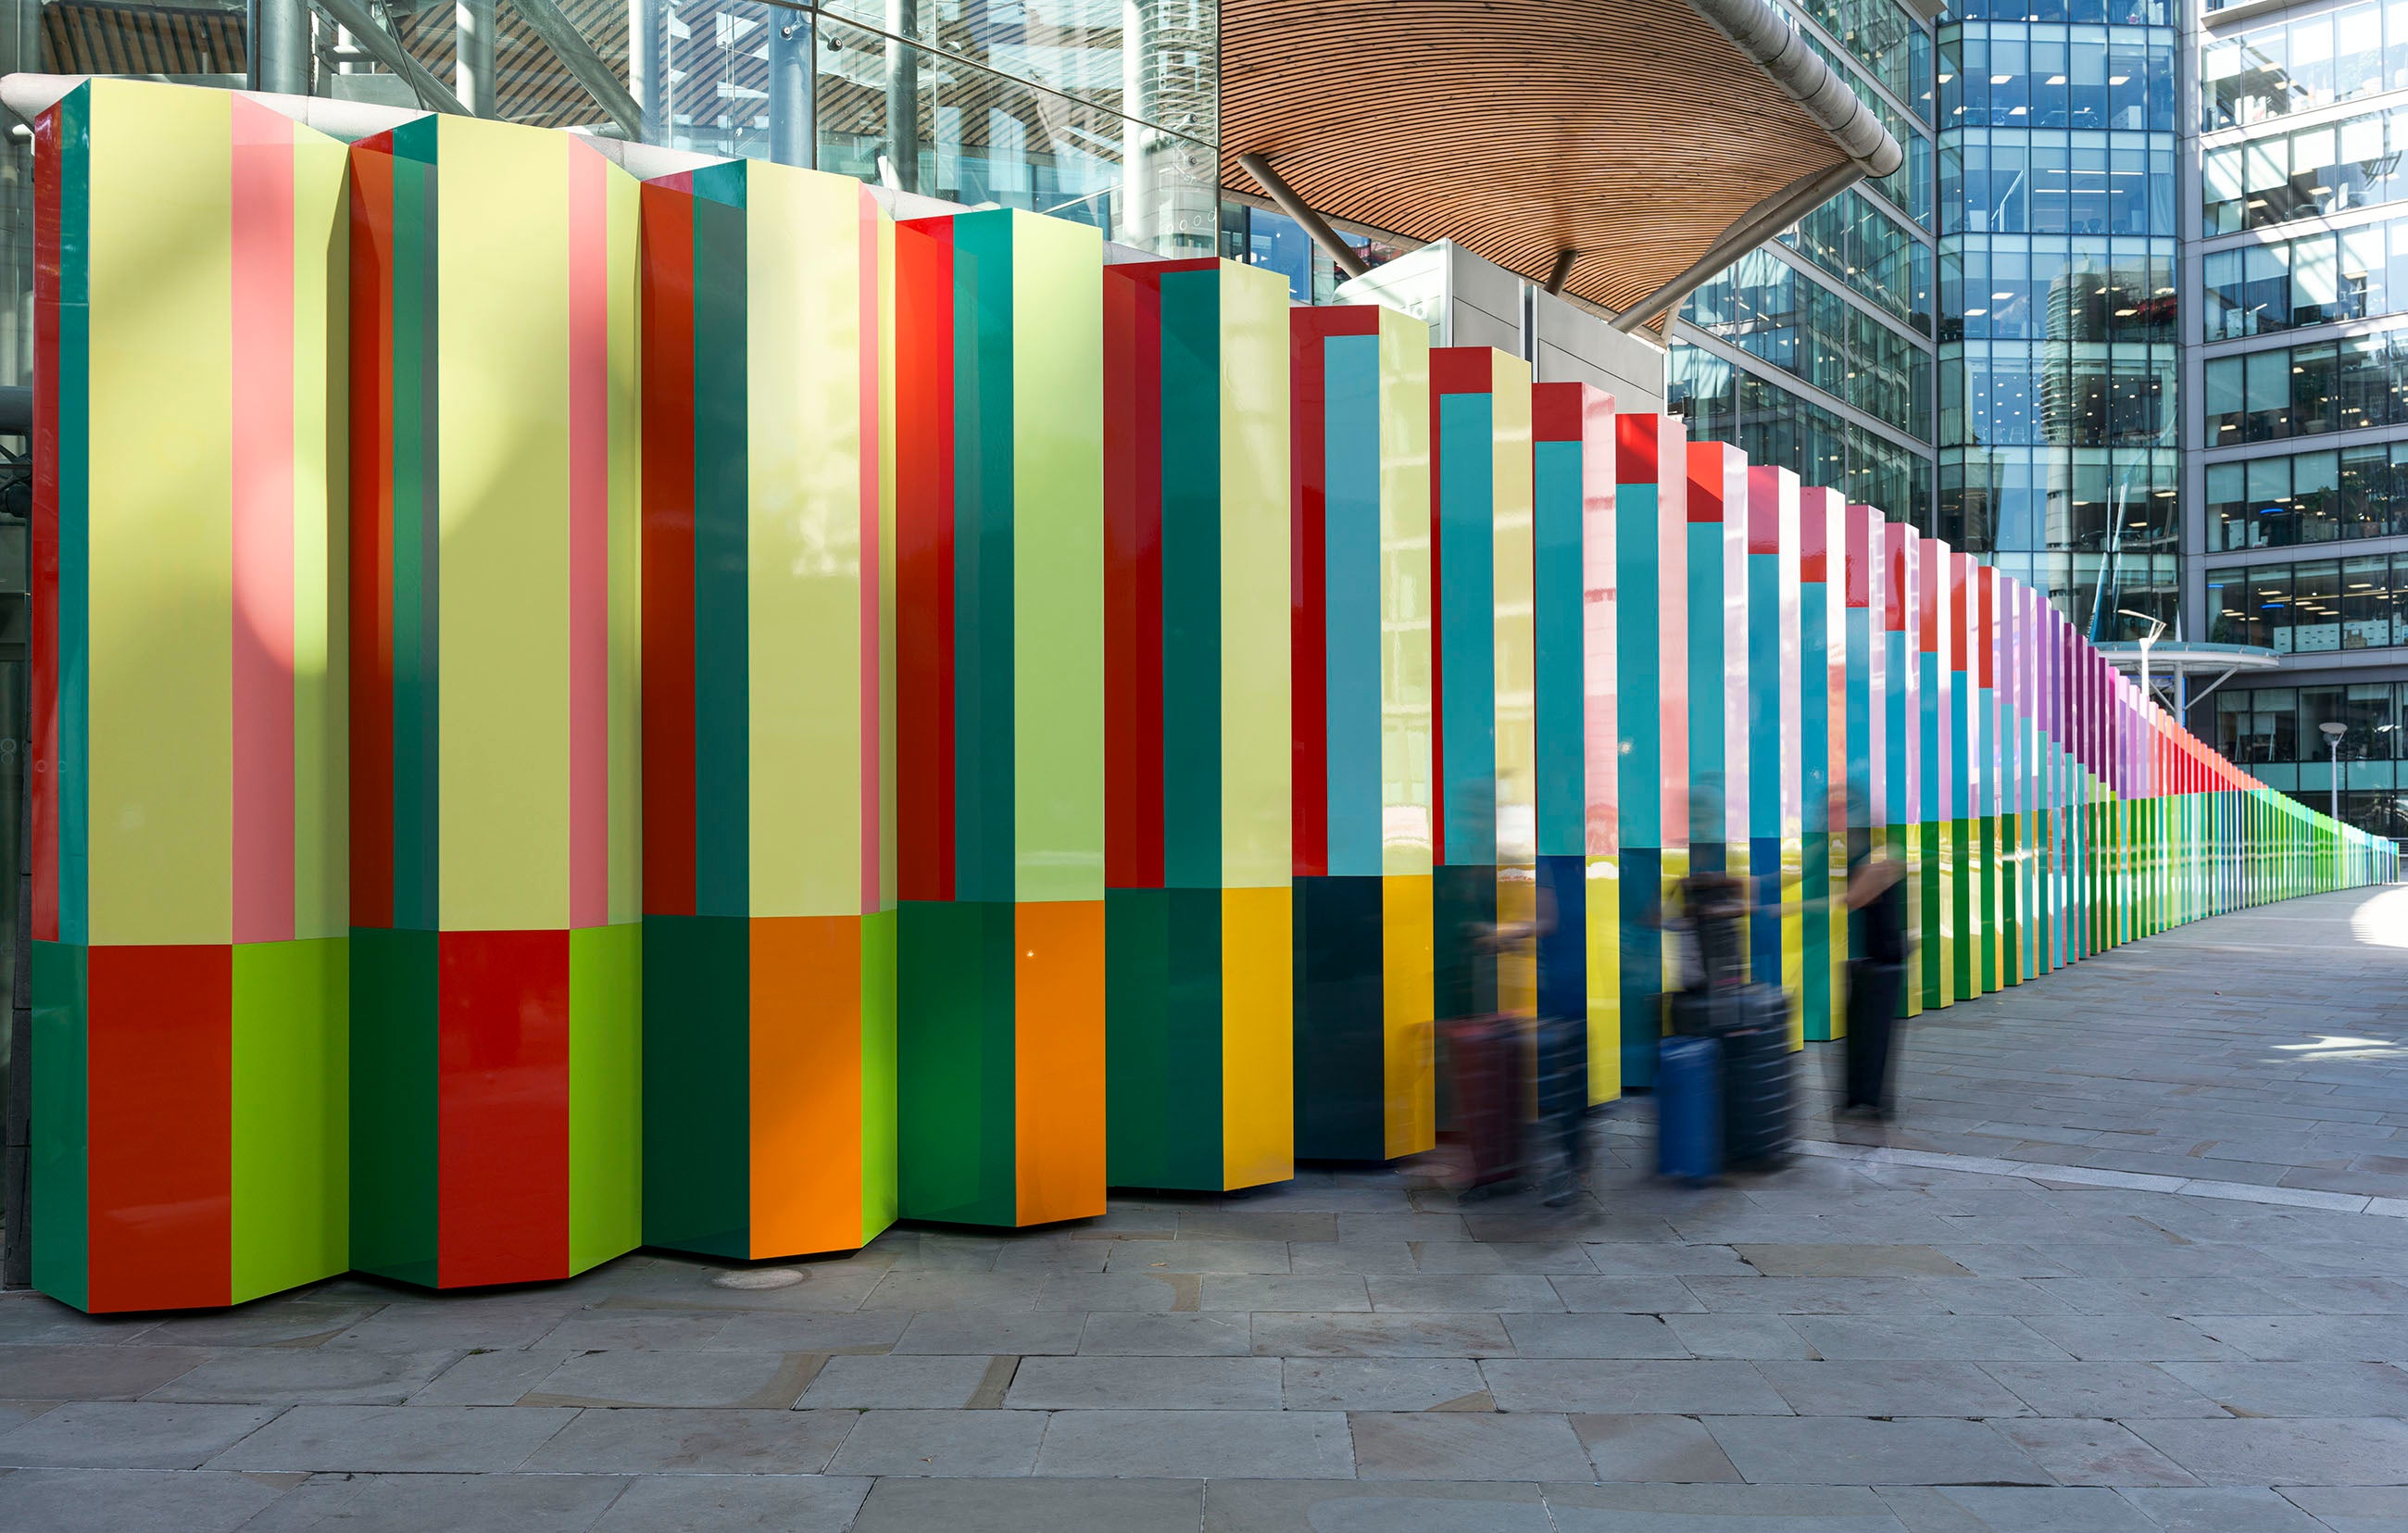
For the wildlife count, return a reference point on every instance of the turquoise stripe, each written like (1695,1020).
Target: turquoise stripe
(1191,582)
(1708,767)
(1859,722)
(1930,757)
(1350,388)
(1467,561)
(74,519)
(1639,710)
(723,684)
(1764,742)
(1895,810)
(983,695)
(1559,590)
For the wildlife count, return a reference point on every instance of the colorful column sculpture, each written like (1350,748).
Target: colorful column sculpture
(1650,541)
(1717,656)
(1821,764)
(1935,753)
(496,615)
(1359,569)
(1200,1052)
(1774,670)
(188,701)
(1484,853)
(1966,701)
(768,508)
(1000,717)
(1580,849)
(1902,738)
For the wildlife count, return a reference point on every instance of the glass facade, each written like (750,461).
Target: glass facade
(2346,384)
(2312,607)
(2058,427)
(2302,63)
(2277,734)
(1772,310)
(2320,279)
(2308,497)
(1878,256)
(2309,172)
(1773,423)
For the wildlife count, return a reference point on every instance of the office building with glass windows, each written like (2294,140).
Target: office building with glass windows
(2297,317)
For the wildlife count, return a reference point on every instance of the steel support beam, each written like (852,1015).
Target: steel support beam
(903,96)
(644,65)
(1760,223)
(1344,256)
(568,45)
(793,133)
(472,52)
(353,18)
(1563,271)
(281,60)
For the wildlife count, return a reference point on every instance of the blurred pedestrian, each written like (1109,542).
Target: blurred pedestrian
(1879,944)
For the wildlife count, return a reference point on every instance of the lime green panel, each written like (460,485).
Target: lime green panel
(606,1120)
(879,1191)
(291,1113)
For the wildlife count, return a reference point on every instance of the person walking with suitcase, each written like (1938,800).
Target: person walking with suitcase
(1876,902)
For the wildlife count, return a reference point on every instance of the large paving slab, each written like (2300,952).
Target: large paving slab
(2132,1258)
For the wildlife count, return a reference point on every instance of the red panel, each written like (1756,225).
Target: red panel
(1133,575)
(1986,645)
(923,558)
(371,564)
(1814,533)
(1763,491)
(668,551)
(1459,369)
(1308,675)
(1710,466)
(1565,413)
(45,536)
(1637,448)
(1895,537)
(502,1114)
(159,1049)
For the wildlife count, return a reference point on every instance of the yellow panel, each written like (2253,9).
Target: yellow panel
(1255,750)
(503,596)
(1258,1032)
(1412,1121)
(623,202)
(321,537)
(162,515)
(1516,635)
(1405,724)
(803,318)
(1604,906)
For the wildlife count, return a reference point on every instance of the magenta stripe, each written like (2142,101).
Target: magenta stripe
(262,230)
(872,721)
(589,549)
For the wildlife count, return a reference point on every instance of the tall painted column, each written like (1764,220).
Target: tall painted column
(187,701)
(1651,540)
(1484,857)
(768,630)
(1821,766)
(1576,622)
(1774,672)
(496,950)
(1982,641)
(1717,656)
(1903,739)
(1869,683)
(1933,808)
(1000,717)
(1359,567)
(1200,1052)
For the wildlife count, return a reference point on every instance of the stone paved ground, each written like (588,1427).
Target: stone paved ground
(2001,1318)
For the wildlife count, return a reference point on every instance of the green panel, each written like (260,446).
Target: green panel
(291,1111)
(1137,1034)
(605,1093)
(698,1095)
(954,1101)
(878,1061)
(1191,582)
(60,1194)
(393,1172)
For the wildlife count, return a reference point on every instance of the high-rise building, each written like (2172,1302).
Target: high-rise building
(1818,349)
(2296,312)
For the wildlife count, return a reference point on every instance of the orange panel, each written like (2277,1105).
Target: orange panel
(1059,1046)
(806,1083)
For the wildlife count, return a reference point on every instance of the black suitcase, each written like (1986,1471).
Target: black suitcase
(1757,1098)
(1488,1068)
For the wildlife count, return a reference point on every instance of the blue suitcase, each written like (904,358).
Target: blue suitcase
(1689,1109)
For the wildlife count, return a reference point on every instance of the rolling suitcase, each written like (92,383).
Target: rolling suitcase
(1756,1069)
(1487,1071)
(1688,1108)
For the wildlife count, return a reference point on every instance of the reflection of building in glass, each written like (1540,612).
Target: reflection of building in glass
(2299,424)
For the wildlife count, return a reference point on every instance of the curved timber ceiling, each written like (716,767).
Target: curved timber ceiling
(1629,131)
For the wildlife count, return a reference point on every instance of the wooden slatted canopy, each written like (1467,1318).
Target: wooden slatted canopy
(1629,131)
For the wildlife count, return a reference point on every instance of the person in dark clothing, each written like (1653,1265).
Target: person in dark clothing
(1879,940)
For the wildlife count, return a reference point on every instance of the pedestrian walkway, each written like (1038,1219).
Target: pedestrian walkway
(1974,1324)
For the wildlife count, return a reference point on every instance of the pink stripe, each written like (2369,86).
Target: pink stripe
(589,548)
(262,229)
(872,725)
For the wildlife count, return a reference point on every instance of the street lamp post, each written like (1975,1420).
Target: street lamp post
(2335,730)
